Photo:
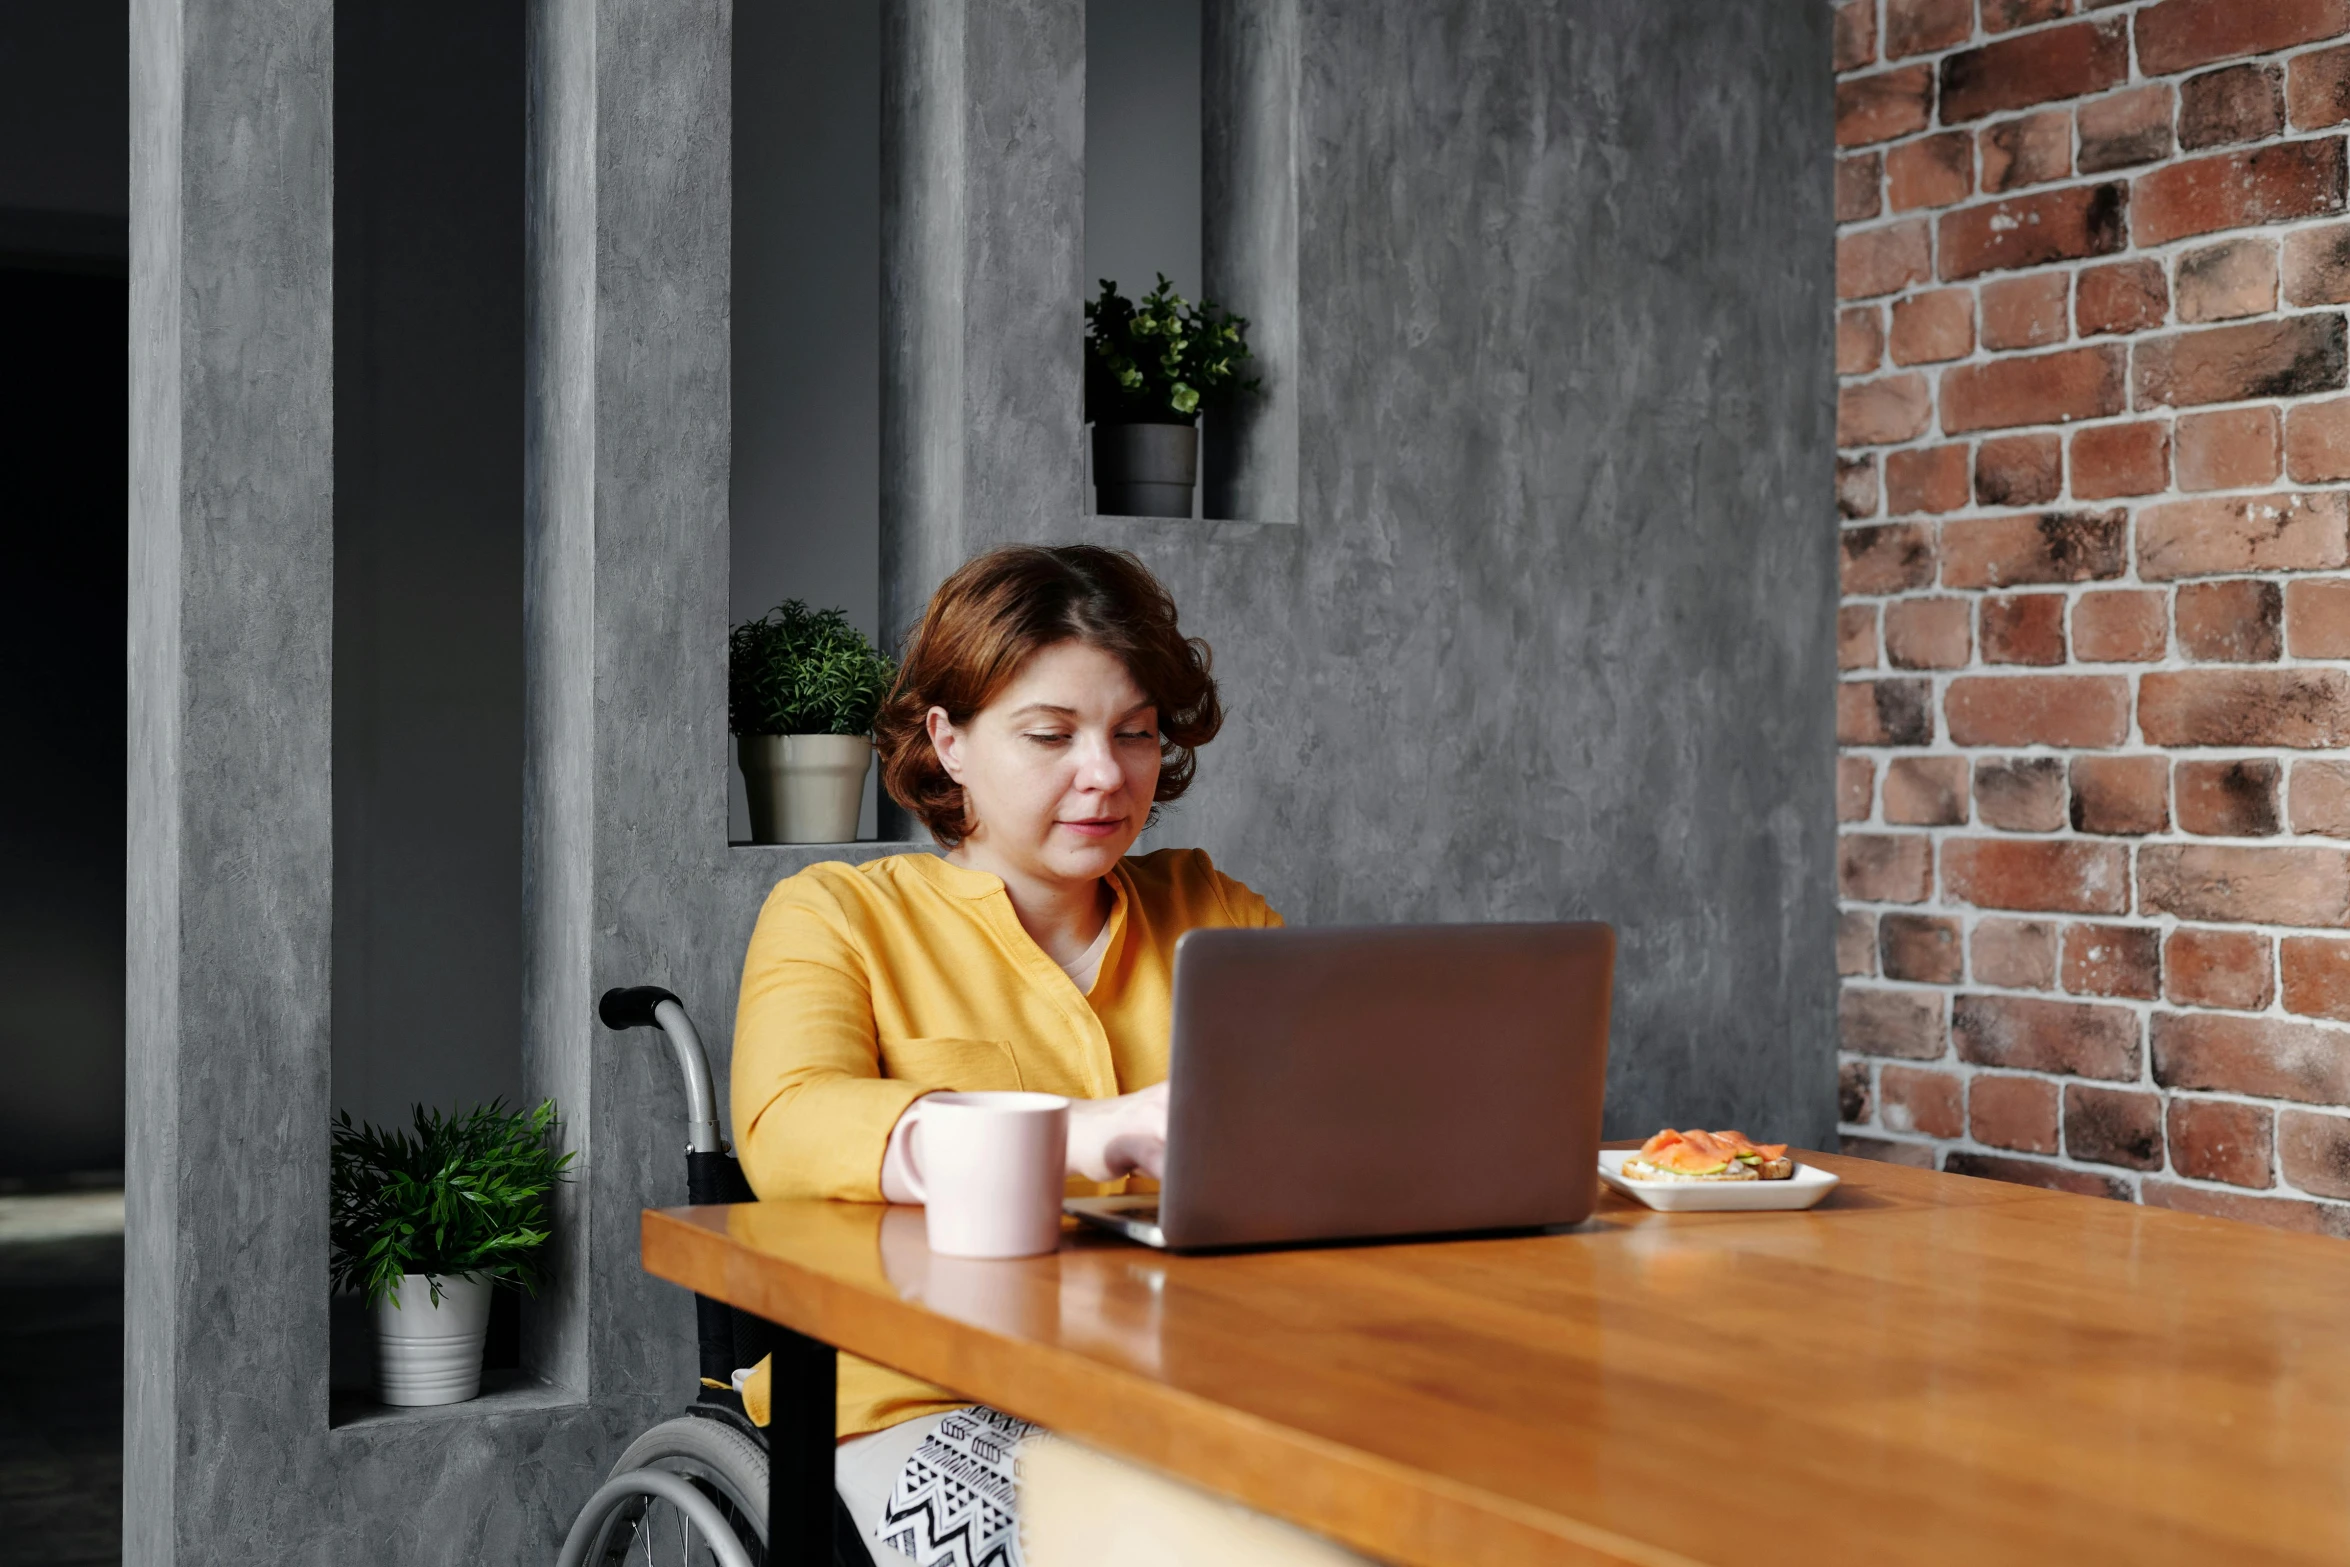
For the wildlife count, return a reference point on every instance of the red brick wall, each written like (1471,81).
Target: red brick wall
(2095,630)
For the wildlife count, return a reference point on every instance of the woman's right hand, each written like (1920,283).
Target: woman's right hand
(1109,1138)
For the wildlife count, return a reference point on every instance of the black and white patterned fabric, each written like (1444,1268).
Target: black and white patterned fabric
(956,1503)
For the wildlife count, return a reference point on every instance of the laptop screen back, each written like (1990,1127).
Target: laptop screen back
(1388,1080)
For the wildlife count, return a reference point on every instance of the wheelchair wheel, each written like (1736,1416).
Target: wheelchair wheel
(691,1489)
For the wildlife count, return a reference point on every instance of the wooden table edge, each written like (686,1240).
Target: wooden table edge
(905,1337)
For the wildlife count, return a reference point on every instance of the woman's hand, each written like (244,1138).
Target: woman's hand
(1109,1138)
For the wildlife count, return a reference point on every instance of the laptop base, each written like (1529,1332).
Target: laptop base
(1136,1218)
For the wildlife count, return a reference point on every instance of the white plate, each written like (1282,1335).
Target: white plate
(1805,1187)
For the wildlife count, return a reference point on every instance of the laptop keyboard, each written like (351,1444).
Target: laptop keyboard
(1143,1215)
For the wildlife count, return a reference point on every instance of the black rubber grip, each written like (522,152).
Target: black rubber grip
(632,1006)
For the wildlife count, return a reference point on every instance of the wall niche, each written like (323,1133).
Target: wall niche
(806,503)
(1188,169)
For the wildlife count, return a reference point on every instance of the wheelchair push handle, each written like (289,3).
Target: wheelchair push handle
(649,1006)
(631,1006)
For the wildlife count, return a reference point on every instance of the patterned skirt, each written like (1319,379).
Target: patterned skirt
(955,1501)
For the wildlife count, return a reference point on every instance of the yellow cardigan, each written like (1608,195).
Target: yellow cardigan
(867,987)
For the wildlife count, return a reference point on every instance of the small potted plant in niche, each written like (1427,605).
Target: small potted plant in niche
(425,1223)
(1150,368)
(802,688)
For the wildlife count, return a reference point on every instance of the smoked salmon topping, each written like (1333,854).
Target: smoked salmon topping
(1706,1153)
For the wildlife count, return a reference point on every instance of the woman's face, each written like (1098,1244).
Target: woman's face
(1058,771)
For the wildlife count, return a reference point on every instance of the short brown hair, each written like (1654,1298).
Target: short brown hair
(987,620)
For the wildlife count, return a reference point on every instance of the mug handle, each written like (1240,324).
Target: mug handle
(911,1124)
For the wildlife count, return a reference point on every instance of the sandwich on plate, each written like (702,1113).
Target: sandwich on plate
(1708,1156)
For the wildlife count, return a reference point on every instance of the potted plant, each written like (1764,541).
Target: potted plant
(802,687)
(425,1224)
(1150,368)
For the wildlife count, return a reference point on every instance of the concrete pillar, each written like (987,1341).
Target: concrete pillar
(1249,65)
(625,629)
(628,878)
(983,251)
(231,833)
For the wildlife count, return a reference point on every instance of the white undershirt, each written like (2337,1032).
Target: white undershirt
(1086,967)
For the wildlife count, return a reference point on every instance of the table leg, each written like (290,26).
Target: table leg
(800,1500)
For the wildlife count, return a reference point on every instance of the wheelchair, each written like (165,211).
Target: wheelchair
(695,1487)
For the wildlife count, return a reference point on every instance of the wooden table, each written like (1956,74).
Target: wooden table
(1926,1369)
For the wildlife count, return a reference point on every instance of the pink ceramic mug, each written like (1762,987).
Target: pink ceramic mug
(988,1170)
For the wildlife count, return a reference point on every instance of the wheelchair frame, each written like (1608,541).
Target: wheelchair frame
(806,1521)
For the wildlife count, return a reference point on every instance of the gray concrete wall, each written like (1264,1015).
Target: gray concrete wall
(807,269)
(1549,633)
(982,168)
(1552,634)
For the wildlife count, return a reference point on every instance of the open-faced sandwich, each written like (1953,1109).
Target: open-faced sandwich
(1708,1156)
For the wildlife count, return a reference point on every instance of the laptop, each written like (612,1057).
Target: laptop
(1396,1080)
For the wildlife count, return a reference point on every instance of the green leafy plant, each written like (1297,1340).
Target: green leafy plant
(460,1194)
(802,671)
(1160,361)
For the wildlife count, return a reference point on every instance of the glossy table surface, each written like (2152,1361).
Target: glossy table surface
(1927,1368)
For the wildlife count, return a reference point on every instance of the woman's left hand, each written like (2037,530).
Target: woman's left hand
(1109,1138)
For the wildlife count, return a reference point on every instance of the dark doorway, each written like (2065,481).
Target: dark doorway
(64,412)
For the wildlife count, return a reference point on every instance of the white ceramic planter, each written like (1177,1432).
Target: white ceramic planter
(804,788)
(427,1353)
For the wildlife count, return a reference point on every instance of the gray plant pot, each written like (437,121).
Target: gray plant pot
(1144,470)
(804,788)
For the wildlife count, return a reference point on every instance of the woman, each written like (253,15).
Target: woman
(1047,706)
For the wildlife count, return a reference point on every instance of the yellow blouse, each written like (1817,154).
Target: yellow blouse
(867,987)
